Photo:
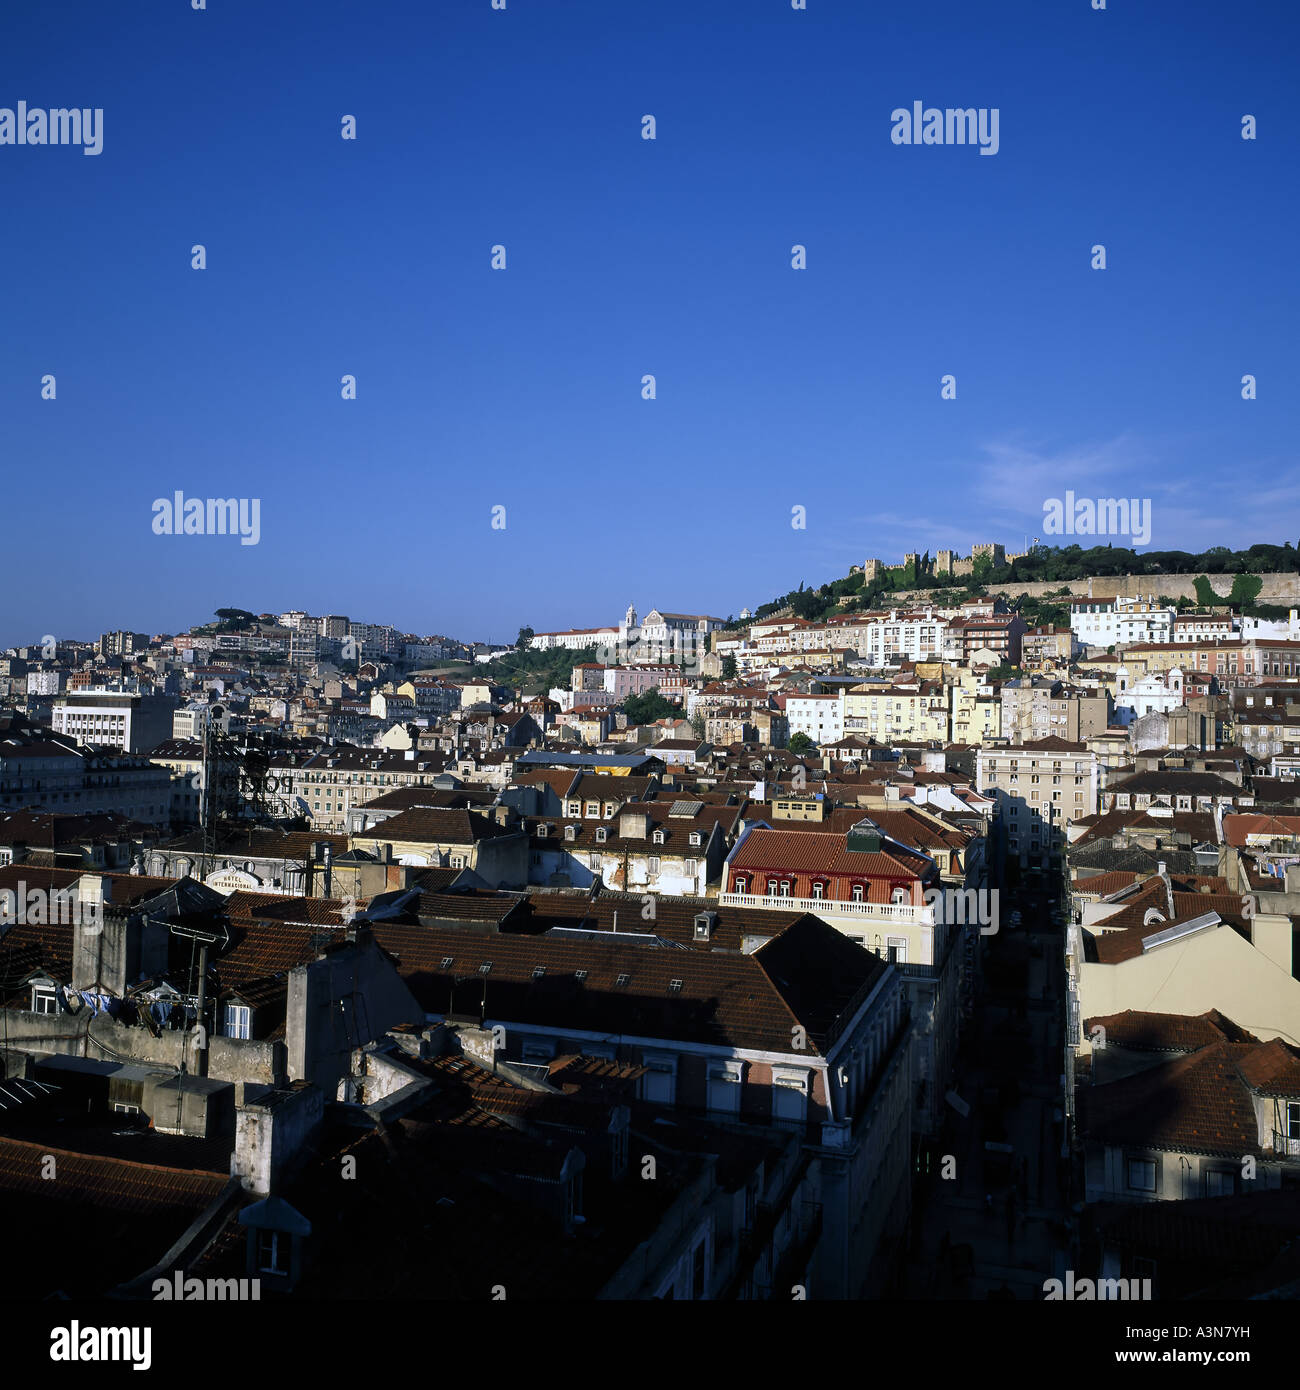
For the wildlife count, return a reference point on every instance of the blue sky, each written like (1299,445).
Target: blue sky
(776,388)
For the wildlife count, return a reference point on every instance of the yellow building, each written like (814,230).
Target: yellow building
(912,710)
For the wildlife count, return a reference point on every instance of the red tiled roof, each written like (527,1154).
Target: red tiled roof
(1198,1104)
(821,851)
(1236,828)
(112,1182)
(1154,1032)
(808,974)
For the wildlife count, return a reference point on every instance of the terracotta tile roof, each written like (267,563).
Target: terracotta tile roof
(263,949)
(1103,885)
(49,830)
(112,1182)
(1153,1032)
(1198,1104)
(674,917)
(807,974)
(276,907)
(820,851)
(495,908)
(1125,943)
(1271,1068)
(1198,824)
(1236,828)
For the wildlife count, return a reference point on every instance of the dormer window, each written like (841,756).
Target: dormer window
(696,839)
(543,831)
(602,834)
(659,837)
(570,832)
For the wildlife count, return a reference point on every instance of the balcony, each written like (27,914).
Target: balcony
(1283,1145)
(904,914)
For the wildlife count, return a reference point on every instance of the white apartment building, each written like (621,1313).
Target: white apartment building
(1204,627)
(904,636)
(108,719)
(1287,630)
(1120,621)
(820,717)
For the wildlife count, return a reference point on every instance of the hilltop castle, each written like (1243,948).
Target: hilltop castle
(947,563)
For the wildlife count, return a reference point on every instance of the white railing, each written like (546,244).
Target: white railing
(832,907)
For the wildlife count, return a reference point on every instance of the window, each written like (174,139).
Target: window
(658,1085)
(273,1252)
(485,967)
(789,1096)
(538,971)
(622,979)
(724,1087)
(1141,1175)
(818,888)
(238,1020)
(43,1001)
(858,892)
(1220,1184)
(896,949)
(579,975)
(446,962)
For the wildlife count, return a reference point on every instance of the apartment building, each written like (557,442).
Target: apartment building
(107,719)
(1040,786)
(1036,709)
(819,717)
(324,786)
(1120,621)
(999,634)
(1202,625)
(916,711)
(1046,647)
(975,710)
(900,635)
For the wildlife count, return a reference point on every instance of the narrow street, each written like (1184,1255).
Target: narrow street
(996,1228)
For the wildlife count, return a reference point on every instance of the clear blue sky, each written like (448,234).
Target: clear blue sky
(776,388)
